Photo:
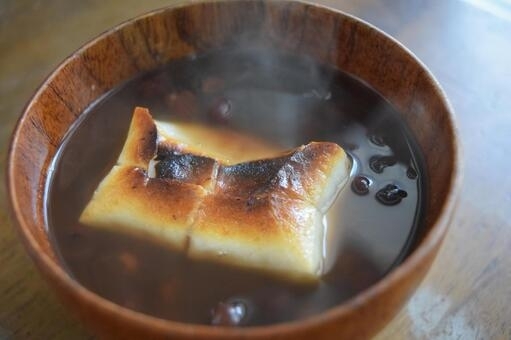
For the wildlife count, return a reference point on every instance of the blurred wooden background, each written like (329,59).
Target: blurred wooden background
(466,44)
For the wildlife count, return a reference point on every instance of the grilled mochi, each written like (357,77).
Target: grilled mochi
(252,206)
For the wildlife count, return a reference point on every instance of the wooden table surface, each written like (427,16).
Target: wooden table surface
(466,44)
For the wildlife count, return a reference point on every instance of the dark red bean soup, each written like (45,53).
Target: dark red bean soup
(287,101)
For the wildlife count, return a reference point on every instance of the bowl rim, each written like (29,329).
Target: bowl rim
(433,238)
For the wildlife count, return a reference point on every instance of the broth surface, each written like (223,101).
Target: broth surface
(286,101)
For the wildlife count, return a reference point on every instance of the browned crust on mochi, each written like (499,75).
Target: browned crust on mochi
(140,145)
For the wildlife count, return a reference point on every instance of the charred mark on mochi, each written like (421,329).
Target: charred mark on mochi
(174,165)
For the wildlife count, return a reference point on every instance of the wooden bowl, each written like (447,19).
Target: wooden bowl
(156,38)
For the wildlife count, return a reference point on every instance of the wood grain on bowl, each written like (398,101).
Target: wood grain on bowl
(185,30)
